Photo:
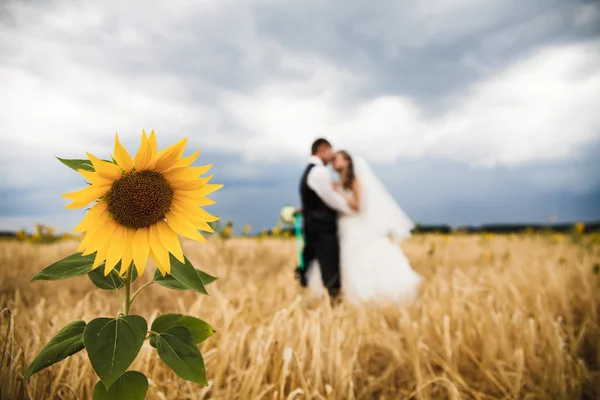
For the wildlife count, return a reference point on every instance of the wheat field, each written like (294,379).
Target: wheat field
(500,317)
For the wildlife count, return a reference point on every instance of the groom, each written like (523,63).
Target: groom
(320,206)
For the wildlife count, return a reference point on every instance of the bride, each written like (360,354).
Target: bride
(372,267)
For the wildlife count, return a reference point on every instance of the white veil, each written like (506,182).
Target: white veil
(380,213)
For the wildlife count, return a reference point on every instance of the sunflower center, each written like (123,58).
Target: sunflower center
(139,199)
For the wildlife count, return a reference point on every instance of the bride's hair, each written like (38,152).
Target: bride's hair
(349,178)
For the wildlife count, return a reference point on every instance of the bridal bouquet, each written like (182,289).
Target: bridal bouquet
(140,206)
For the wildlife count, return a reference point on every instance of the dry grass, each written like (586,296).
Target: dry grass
(505,317)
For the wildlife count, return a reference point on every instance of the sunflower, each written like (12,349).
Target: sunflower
(141,205)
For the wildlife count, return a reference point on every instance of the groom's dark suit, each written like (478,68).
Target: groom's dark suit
(320,227)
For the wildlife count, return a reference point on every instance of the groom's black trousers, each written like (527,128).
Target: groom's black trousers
(325,248)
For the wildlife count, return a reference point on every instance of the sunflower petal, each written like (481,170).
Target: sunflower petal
(183,227)
(203,191)
(194,213)
(86,195)
(140,249)
(185,162)
(161,254)
(116,249)
(143,157)
(153,145)
(168,157)
(105,169)
(191,202)
(162,268)
(93,217)
(186,174)
(100,257)
(192,184)
(102,237)
(93,178)
(128,254)
(169,239)
(122,157)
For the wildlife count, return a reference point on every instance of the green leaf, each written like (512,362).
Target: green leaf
(187,275)
(68,341)
(132,385)
(77,164)
(68,267)
(177,349)
(113,343)
(199,329)
(112,281)
(206,278)
(168,281)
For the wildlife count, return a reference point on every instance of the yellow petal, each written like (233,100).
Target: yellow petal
(169,239)
(168,157)
(192,184)
(192,202)
(144,155)
(185,162)
(203,191)
(203,226)
(140,249)
(93,178)
(102,237)
(153,145)
(105,169)
(93,217)
(160,253)
(128,254)
(100,257)
(186,174)
(161,267)
(194,213)
(87,195)
(116,248)
(183,227)
(122,157)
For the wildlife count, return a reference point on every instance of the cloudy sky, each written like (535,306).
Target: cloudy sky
(470,111)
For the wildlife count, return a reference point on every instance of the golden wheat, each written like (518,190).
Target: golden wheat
(498,317)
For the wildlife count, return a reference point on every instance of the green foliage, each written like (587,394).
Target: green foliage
(85,165)
(111,281)
(68,341)
(132,385)
(113,343)
(199,329)
(186,274)
(177,348)
(68,267)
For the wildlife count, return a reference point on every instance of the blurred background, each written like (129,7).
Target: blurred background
(471,112)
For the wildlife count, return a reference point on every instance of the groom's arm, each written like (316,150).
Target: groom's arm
(319,180)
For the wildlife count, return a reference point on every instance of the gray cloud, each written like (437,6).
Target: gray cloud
(432,90)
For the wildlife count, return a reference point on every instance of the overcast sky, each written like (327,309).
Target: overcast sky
(470,111)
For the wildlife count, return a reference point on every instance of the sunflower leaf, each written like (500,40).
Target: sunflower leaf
(176,347)
(186,274)
(68,267)
(113,343)
(199,329)
(170,282)
(111,281)
(68,341)
(132,385)
(85,165)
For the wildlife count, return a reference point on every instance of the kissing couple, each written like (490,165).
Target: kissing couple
(348,230)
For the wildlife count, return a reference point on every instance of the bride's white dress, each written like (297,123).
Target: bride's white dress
(372,267)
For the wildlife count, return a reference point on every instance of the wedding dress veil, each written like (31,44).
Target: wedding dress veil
(379,212)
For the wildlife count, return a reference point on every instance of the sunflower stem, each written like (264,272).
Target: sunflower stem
(139,290)
(127,282)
